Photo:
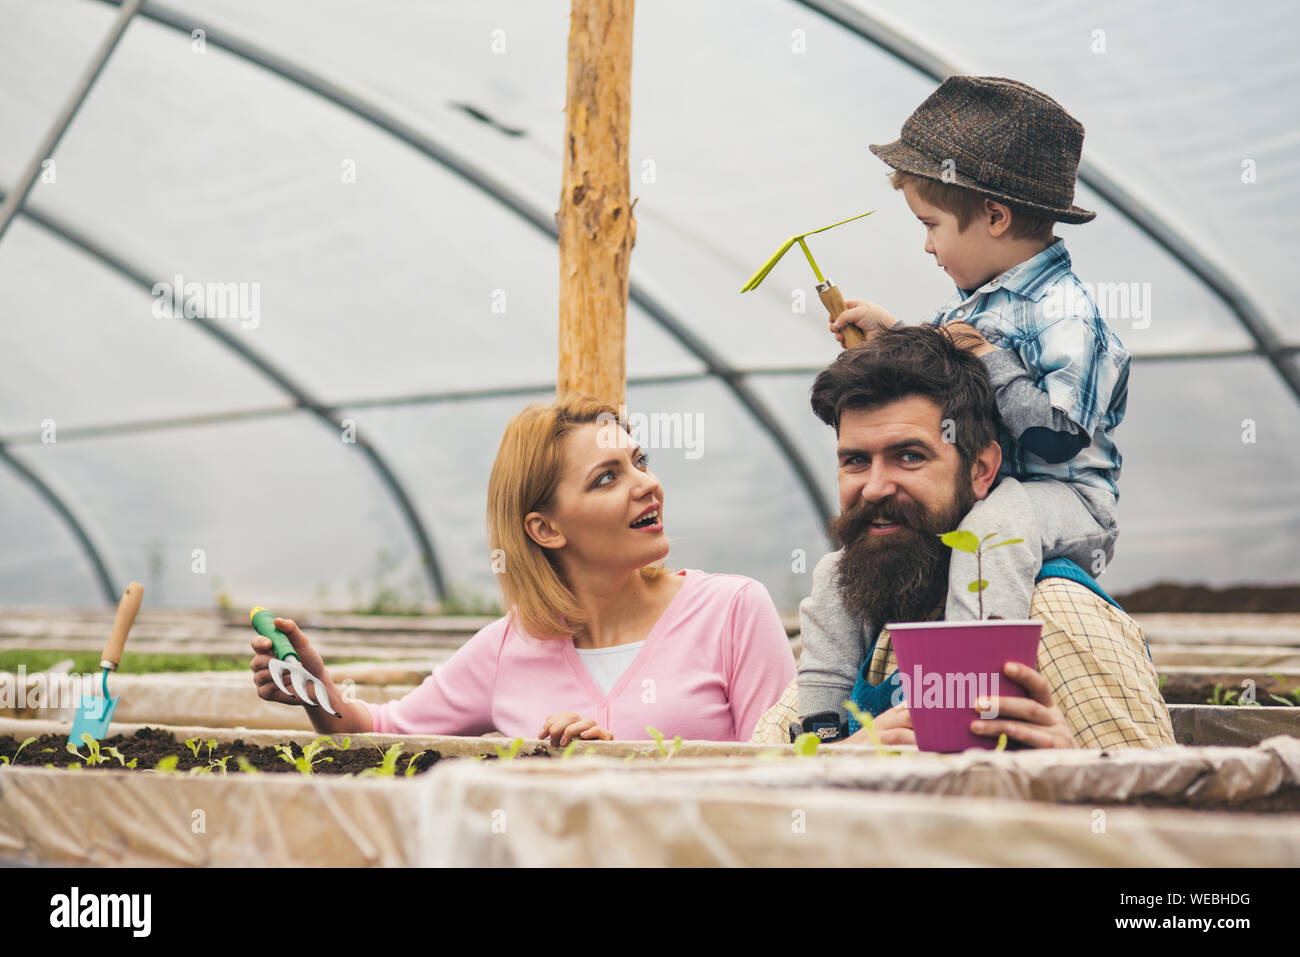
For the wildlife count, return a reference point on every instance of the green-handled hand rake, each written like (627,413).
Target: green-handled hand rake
(285,661)
(827,291)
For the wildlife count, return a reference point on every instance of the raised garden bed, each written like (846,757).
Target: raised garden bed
(1220,686)
(986,808)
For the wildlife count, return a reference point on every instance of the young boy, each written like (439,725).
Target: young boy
(988,165)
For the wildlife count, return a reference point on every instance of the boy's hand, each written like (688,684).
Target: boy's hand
(867,316)
(965,336)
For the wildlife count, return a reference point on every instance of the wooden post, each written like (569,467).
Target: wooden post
(596,226)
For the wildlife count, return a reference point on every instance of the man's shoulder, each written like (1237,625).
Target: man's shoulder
(1073,603)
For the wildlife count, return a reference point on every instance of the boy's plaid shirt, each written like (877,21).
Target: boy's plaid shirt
(1040,310)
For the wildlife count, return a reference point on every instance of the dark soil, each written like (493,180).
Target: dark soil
(1185,690)
(148,746)
(1243,599)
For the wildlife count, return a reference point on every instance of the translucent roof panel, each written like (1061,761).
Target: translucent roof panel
(337,277)
(1180,102)
(113,360)
(380,190)
(1208,492)
(43,50)
(281,508)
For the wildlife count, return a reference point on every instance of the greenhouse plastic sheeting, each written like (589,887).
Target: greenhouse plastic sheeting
(475,815)
(1236,725)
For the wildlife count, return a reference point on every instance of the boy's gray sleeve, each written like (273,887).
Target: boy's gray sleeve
(832,644)
(1028,413)
(1008,512)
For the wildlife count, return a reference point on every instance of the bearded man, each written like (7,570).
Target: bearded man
(919,441)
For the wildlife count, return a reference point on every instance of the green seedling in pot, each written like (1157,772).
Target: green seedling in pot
(6,760)
(965,541)
(285,661)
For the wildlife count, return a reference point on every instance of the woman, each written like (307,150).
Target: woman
(599,641)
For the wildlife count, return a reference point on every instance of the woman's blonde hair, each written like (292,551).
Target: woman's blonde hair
(524,478)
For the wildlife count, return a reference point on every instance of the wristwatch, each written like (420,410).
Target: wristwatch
(827,725)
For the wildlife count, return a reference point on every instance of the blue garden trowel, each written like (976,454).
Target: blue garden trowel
(96,712)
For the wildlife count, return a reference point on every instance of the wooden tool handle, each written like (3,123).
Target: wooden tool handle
(126,609)
(833,300)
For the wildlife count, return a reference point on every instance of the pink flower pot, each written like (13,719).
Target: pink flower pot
(946,667)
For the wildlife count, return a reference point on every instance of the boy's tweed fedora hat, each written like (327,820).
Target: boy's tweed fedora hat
(1003,138)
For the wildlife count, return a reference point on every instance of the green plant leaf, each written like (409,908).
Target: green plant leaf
(1002,743)
(1009,541)
(168,764)
(1280,700)
(961,540)
(509,754)
(20,748)
(979,585)
(658,738)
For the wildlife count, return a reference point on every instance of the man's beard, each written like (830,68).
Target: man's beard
(901,576)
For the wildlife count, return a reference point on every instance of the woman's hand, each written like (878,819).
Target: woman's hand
(867,316)
(564,727)
(261,663)
(354,715)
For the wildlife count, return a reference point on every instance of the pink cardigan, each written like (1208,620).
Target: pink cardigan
(715,661)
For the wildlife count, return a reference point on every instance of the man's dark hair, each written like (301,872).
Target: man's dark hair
(913,361)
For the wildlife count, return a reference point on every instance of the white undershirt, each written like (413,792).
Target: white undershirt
(606,665)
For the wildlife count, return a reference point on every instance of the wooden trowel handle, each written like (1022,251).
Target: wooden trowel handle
(833,300)
(126,610)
